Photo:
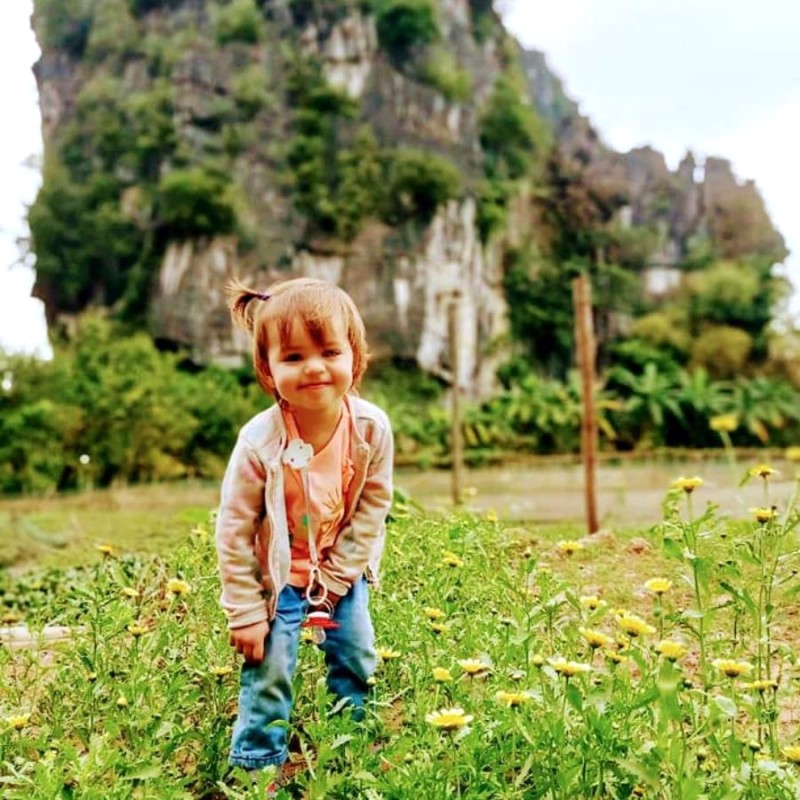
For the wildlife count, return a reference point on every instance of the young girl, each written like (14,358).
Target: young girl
(304,501)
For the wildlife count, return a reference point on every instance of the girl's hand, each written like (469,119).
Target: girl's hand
(249,641)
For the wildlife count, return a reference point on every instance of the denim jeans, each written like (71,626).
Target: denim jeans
(265,693)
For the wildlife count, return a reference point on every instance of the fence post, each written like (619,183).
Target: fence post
(584,337)
(457,446)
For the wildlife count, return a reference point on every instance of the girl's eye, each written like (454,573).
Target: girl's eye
(331,353)
(292,357)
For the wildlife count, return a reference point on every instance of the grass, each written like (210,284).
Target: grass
(489,685)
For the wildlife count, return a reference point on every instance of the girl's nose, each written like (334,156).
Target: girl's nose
(314,365)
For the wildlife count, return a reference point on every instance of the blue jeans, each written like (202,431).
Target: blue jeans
(265,693)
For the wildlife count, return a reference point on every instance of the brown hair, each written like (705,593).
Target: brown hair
(314,302)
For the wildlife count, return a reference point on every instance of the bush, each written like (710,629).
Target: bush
(443,72)
(417,183)
(405,25)
(251,90)
(239,21)
(193,202)
(64,24)
(721,350)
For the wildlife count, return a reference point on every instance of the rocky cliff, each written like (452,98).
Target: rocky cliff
(370,143)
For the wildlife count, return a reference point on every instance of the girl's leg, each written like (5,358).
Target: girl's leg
(265,695)
(350,648)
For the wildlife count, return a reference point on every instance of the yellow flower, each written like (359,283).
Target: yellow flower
(450,559)
(596,639)
(569,548)
(731,668)
(106,549)
(761,686)
(438,627)
(658,585)
(688,485)
(569,668)
(472,666)
(449,719)
(91,677)
(724,423)
(634,626)
(122,701)
(18,721)
(616,657)
(372,681)
(792,753)
(491,515)
(792,453)
(387,654)
(672,651)
(442,675)
(307,636)
(762,471)
(590,601)
(434,613)
(177,586)
(763,515)
(537,659)
(221,672)
(129,591)
(512,699)
(136,630)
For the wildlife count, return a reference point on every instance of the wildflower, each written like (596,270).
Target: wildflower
(122,701)
(438,627)
(762,471)
(387,654)
(569,668)
(763,515)
(688,485)
(754,746)
(491,515)
(441,675)
(792,453)
(658,585)
(178,587)
(307,636)
(569,548)
(221,672)
(371,681)
(84,459)
(106,549)
(434,613)
(450,559)
(634,626)
(616,657)
(731,668)
(671,650)
(792,753)
(724,423)
(91,677)
(762,685)
(590,601)
(129,591)
(136,630)
(449,719)
(18,721)
(596,639)
(472,666)
(512,699)
(537,659)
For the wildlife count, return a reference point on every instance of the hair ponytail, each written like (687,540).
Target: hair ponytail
(239,300)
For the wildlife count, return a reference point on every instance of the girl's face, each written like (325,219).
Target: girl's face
(310,375)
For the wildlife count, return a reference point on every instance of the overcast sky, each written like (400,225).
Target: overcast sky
(718,77)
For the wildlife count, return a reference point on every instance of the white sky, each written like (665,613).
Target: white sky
(719,77)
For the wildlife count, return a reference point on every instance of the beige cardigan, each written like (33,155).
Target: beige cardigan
(252,533)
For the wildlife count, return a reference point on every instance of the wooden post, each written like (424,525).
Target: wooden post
(456,443)
(584,337)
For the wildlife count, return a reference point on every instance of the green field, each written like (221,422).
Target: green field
(517,661)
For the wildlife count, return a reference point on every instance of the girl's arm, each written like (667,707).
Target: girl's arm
(240,515)
(347,560)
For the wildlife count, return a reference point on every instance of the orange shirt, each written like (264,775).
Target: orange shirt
(330,473)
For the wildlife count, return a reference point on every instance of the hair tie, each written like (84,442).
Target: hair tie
(261,296)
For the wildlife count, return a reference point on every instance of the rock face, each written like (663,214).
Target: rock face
(402,279)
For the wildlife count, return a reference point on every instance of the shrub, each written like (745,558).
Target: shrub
(443,72)
(417,183)
(239,21)
(404,25)
(64,24)
(722,350)
(251,90)
(193,202)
